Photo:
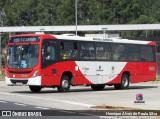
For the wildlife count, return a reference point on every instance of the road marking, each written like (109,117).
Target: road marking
(20,104)
(42,108)
(3,101)
(50,99)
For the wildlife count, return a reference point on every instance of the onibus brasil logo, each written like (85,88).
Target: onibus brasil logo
(139,98)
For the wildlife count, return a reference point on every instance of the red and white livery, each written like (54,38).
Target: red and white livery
(44,60)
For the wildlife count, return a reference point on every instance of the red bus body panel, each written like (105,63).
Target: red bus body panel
(51,75)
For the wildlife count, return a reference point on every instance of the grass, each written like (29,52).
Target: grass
(1,77)
(158,78)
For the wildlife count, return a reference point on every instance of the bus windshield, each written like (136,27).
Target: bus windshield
(22,56)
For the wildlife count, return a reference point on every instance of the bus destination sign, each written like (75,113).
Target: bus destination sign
(25,39)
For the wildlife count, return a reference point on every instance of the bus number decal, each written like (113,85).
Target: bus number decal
(151,68)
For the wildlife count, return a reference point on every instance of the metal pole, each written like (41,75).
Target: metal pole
(146,33)
(104,32)
(147,30)
(76,15)
(0,56)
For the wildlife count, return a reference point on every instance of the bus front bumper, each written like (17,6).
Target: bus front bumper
(36,81)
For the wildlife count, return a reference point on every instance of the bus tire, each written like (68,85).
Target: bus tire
(124,83)
(65,84)
(97,87)
(35,89)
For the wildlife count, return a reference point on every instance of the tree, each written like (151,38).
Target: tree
(31,12)
(66,13)
(91,12)
(2,13)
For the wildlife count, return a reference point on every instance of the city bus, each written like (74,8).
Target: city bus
(60,61)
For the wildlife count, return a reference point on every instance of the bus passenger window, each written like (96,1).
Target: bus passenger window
(87,51)
(119,52)
(147,53)
(102,51)
(133,53)
(74,51)
(68,50)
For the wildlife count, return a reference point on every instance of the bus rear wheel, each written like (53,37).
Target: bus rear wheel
(65,84)
(97,87)
(124,83)
(35,89)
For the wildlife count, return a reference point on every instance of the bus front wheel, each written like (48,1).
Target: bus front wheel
(124,83)
(97,87)
(35,89)
(65,84)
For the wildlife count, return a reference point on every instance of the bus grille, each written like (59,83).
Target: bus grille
(19,81)
(20,71)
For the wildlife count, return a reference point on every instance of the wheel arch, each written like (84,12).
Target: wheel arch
(128,73)
(68,73)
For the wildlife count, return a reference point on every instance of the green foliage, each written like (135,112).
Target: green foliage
(62,12)
(65,13)
(30,12)
(2,77)
(91,12)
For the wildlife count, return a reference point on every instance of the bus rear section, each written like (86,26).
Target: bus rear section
(42,60)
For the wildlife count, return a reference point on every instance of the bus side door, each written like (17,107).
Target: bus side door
(48,59)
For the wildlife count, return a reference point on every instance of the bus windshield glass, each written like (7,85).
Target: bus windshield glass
(22,56)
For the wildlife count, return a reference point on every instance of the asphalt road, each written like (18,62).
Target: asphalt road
(14,110)
(79,98)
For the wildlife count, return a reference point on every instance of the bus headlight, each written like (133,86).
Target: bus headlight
(6,74)
(34,74)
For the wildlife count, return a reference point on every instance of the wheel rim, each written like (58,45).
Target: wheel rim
(65,84)
(125,82)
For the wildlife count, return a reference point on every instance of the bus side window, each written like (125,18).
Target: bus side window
(102,51)
(119,52)
(87,51)
(68,50)
(48,53)
(133,53)
(74,51)
(147,53)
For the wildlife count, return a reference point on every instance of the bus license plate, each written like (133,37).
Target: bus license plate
(19,83)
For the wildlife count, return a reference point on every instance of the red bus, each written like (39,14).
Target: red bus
(44,60)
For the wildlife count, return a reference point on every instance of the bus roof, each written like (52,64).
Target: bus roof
(100,39)
(97,39)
